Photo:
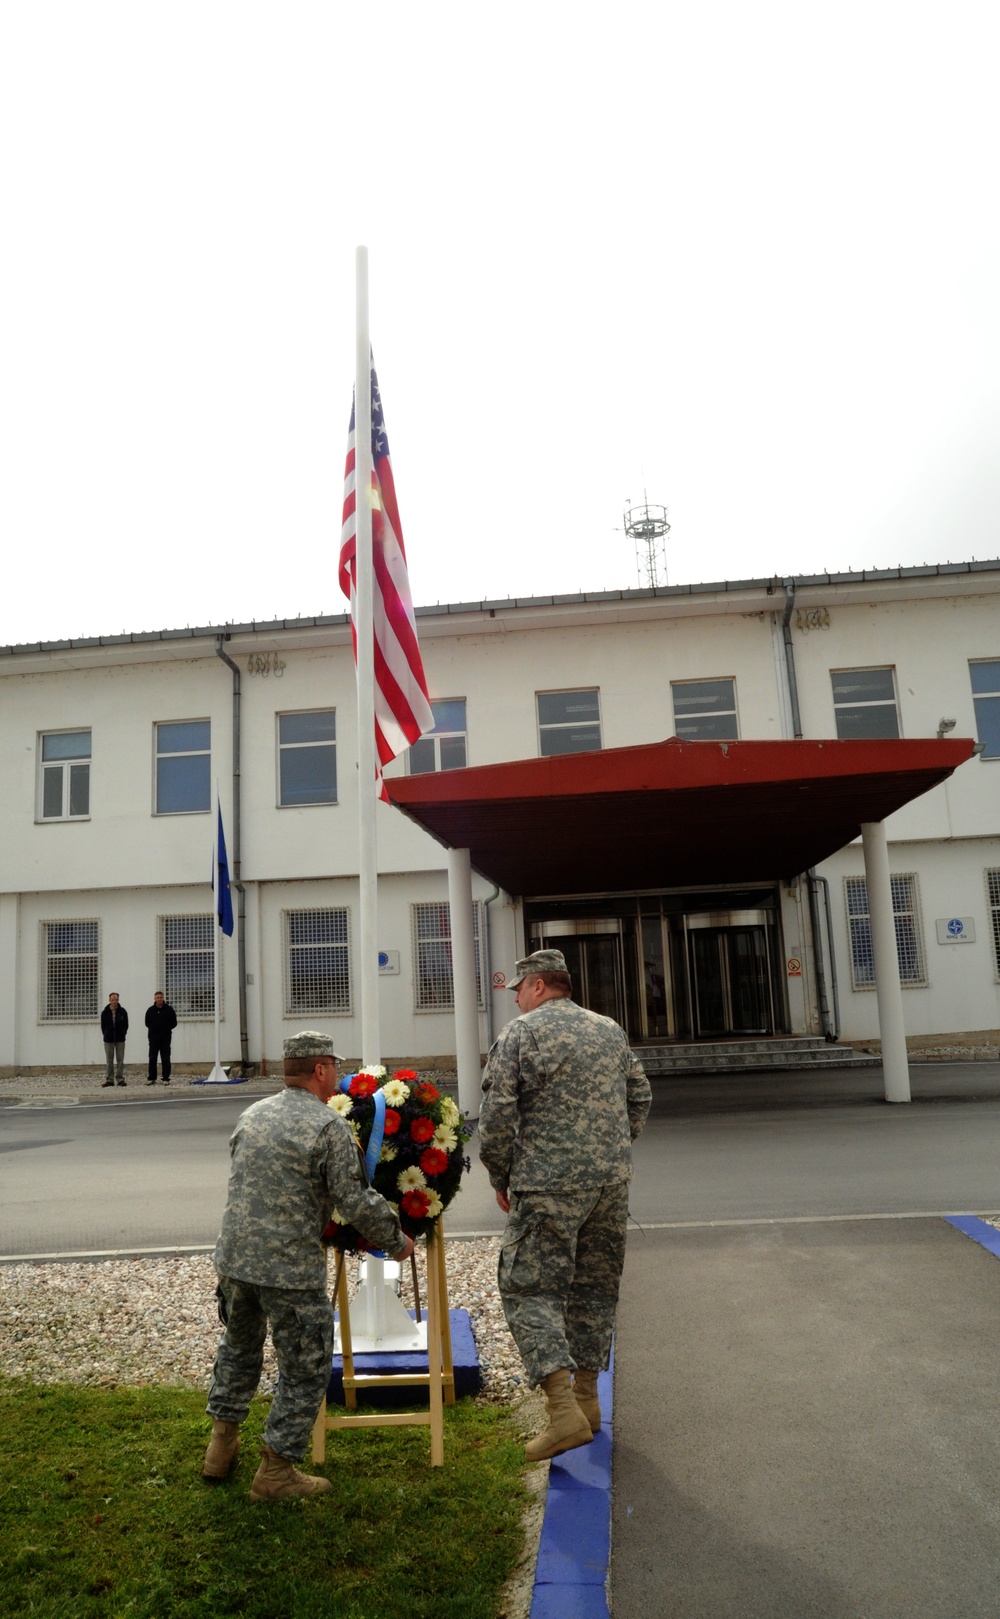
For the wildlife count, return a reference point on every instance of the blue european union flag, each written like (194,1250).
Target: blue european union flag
(223,898)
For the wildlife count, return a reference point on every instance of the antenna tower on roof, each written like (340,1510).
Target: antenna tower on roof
(647,527)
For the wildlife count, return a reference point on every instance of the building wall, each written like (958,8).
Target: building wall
(128,866)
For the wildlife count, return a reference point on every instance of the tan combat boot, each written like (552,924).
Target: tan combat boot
(585,1395)
(223,1449)
(277,1480)
(568,1427)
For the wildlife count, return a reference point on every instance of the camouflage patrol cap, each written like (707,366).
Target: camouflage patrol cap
(310,1044)
(541,961)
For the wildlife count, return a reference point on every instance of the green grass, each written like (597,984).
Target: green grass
(103,1512)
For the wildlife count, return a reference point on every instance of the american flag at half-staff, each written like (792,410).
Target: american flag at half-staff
(402,708)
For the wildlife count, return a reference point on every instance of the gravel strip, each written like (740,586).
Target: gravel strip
(139,1321)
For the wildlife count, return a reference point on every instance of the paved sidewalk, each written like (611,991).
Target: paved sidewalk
(806,1423)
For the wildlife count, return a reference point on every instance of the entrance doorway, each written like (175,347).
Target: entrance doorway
(594,958)
(669,969)
(730,981)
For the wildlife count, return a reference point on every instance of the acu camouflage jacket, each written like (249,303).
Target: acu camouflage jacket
(293,1160)
(563,1100)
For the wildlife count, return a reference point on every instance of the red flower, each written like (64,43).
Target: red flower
(426,1092)
(422,1129)
(434,1161)
(363,1085)
(391,1121)
(330,1230)
(404,1074)
(415,1204)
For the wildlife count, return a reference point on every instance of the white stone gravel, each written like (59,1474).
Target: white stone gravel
(139,1321)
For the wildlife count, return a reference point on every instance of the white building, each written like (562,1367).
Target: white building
(111,746)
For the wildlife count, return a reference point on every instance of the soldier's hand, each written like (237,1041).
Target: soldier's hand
(408,1250)
(504,1201)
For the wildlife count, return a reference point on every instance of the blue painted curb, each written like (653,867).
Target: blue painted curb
(980,1231)
(574,1553)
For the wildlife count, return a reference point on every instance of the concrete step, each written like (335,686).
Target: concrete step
(748,1056)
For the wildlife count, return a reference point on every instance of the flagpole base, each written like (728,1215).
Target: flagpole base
(218,1076)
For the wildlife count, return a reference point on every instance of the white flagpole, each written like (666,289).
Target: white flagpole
(217,1076)
(367,851)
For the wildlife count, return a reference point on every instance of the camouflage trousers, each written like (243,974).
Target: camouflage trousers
(561,1262)
(301,1325)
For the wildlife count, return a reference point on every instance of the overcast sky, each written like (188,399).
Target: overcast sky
(742,257)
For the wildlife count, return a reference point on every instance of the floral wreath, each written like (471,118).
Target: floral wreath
(412,1138)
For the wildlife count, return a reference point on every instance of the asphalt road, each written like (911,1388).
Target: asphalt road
(97,1178)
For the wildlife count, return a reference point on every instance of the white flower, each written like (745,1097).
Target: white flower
(395,1092)
(377,1071)
(445,1138)
(449,1112)
(341,1104)
(411,1180)
(337,1217)
(387,1155)
(434,1205)
(355,1129)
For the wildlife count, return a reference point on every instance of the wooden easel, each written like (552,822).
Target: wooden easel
(439,1377)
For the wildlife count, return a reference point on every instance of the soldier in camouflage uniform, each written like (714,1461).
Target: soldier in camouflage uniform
(293,1161)
(563,1100)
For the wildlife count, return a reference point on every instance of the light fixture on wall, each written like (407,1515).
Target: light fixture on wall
(945,725)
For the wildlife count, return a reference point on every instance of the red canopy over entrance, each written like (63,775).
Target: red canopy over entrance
(671,814)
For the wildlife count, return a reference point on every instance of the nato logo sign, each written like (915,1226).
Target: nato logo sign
(956,930)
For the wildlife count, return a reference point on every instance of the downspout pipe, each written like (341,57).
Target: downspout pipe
(826,1020)
(241,897)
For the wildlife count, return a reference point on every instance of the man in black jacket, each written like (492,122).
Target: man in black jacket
(114,1028)
(161,1021)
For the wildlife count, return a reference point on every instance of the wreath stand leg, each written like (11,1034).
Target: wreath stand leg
(439,1378)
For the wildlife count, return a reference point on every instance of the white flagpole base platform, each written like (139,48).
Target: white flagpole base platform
(379,1323)
(218,1076)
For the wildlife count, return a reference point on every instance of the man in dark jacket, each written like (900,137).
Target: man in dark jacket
(114,1028)
(161,1021)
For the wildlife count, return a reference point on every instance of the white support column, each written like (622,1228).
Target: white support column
(895,1068)
(463,963)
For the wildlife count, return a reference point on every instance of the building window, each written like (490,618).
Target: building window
(435,986)
(444,747)
(568,721)
(985,679)
(993,891)
(64,776)
(909,934)
(70,971)
(307,757)
(183,768)
(864,703)
(187,945)
(317,962)
(705,710)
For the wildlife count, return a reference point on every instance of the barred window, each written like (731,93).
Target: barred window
(864,702)
(434,988)
(444,747)
(705,710)
(187,945)
(568,721)
(64,776)
(183,768)
(317,962)
(70,971)
(993,892)
(307,757)
(909,937)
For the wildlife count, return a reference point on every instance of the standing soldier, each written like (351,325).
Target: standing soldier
(114,1028)
(564,1098)
(293,1161)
